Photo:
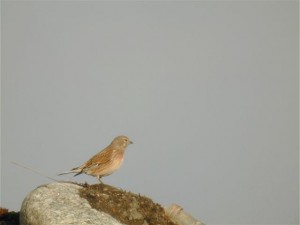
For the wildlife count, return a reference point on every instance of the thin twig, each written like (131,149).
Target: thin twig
(32,170)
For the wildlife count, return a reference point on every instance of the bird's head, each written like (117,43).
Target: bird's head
(121,141)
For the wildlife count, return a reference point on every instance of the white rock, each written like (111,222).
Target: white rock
(179,216)
(60,204)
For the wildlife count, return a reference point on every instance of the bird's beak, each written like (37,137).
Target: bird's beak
(130,142)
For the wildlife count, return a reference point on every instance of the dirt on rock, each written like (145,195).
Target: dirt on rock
(128,208)
(8,218)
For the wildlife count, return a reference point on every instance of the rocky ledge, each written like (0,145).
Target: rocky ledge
(71,203)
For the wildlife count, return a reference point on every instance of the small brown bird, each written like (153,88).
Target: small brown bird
(106,161)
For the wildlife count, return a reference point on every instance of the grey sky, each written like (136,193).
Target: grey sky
(207,91)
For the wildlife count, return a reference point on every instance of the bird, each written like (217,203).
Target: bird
(106,161)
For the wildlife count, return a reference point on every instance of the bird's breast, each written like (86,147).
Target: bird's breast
(115,162)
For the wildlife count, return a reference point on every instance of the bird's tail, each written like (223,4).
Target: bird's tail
(76,170)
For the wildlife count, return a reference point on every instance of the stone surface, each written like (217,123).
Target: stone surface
(60,203)
(70,203)
(179,216)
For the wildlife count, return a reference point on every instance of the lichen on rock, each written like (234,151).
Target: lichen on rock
(126,207)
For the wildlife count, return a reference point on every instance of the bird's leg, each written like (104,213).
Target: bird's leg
(99,178)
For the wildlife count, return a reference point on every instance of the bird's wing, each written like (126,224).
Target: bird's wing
(100,158)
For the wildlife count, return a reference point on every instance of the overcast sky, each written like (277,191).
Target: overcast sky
(207,91)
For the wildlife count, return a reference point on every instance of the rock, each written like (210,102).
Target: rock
(8,218)
(179,216)
(69,203)
(60,203)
